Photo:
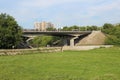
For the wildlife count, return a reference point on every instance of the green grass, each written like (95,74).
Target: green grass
(98,64)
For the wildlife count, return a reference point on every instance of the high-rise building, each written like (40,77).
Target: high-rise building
(42,26)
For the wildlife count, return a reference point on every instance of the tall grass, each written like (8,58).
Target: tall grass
(98,64)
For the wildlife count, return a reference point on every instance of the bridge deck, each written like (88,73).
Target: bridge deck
(55,33)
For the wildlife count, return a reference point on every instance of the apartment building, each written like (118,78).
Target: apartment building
(42,26)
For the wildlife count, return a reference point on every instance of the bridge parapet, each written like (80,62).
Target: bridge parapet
(55,33)
(33,30)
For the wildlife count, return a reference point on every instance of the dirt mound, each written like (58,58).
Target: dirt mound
(95,38)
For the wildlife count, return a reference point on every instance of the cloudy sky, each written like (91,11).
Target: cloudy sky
(62,12)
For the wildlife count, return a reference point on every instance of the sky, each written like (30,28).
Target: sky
(62,12)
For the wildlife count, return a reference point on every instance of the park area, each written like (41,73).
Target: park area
(96,64)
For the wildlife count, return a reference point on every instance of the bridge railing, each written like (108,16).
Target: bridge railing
(34,30)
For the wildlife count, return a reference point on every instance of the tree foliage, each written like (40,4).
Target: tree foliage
(50,29)
(10,32)
(108,28)
(113,33)
(80,28)
(42,41)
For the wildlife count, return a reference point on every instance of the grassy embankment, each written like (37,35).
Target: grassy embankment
(98,64)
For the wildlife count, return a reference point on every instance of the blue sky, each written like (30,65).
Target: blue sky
(62,12)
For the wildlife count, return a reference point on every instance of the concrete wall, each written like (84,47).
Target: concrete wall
(85,47)
(29,51)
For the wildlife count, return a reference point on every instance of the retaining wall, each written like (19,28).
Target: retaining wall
(28,51)
(85,47)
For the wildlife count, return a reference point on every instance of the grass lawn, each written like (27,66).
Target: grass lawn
(98,64)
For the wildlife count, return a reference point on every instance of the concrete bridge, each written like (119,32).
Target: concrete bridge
(68,35)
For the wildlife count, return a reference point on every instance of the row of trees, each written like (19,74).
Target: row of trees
(80,28)
(75,28)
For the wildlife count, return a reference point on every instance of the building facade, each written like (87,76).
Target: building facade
(42,26)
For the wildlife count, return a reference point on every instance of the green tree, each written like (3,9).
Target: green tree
(94,27)
(82,28)
(51,29)
(91,28)
(10,32)
(108,28)
(74,28)
(71,28)
(113,33)
(65,28)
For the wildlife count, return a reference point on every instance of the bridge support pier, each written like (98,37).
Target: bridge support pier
(72,41)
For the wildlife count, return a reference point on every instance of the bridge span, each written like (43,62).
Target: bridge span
(55,33)
(71,35)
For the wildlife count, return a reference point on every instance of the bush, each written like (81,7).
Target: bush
(113,33)
(112,40)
